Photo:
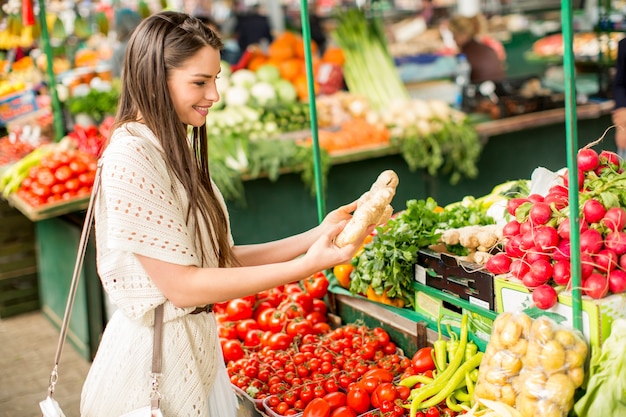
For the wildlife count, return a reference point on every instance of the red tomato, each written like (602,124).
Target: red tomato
(45,177)
(63,173)
(72,184)
(263,319)
(321,328)
(244,326)
(232,350)
(320,306)
(318,407)
(336,399)
(358,399)
(280,341)
(316,285)
(316,317)
(58,189)
(386,391)
(432,412)
(78,167)
(299,327)
(343,411)
(239,309)
(87,178)
(422,360)
(304,299)
(379,374)
(227,331)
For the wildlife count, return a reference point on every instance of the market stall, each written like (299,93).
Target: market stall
(475,267)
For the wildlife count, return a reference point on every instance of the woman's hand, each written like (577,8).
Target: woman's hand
(340,214)
(325,254)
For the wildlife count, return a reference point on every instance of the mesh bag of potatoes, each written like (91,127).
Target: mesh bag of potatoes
(533,365)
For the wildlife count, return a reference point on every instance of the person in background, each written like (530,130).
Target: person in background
(163,235)
(230,52)
(252,27)
(126,20)
(619,96)
(483,59)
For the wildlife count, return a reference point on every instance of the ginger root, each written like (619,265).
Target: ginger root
(373,207)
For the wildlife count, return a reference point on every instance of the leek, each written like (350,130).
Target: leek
(369,69)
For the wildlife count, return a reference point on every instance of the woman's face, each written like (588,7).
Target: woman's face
(192,86)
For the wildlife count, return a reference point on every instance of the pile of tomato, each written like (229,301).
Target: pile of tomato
(60,176)
(11,151)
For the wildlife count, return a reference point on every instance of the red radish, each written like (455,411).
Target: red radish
(558,189)
(512,247)
(530,281)
(615,219)
(557,200)
(519,268)
(593,210)
(525,227)
(540,213)
(622,262)
(562,251)
(500,263)
(535,254)
(514,203)
(564,228)
(617,281)
(546,238)
(581,178)
(587,159)
(596,286)
(561,273)
(535,198)
(616,241)
(610,158)
(591,241)
(587,265)
(545,296)
(541,270)
(606,260)
(527,242)
(511,228)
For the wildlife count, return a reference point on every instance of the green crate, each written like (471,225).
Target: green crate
(19,292)
(17,255)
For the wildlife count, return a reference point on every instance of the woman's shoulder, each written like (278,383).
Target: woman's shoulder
(134,143)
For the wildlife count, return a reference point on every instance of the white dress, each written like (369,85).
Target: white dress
(141,210)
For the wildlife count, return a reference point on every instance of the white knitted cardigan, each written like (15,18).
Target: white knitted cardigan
(141,210)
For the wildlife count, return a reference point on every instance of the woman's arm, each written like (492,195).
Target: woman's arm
(188,286)
(293,246)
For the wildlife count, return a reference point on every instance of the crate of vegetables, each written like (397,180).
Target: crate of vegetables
(446,272)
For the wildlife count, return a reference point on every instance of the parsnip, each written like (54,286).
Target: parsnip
(373,207)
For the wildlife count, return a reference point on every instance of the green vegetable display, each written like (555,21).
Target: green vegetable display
(607,377)
(387,262)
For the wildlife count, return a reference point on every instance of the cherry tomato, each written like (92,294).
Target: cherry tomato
(432,412)
(72,184)
(386,391)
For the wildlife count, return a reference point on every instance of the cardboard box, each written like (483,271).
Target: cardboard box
(597,315)
(469,281)
(17,105)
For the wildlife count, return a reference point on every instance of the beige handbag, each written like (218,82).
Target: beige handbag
(50,407)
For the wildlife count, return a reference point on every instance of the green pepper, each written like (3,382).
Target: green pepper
(439,350)
(470,349)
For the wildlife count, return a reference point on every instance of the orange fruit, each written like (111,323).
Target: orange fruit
(342,273)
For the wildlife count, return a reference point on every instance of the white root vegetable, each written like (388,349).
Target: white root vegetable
(373,207)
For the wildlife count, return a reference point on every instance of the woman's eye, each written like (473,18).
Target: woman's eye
(200,83)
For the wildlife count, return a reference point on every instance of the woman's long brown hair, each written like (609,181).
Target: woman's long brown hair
(162,42)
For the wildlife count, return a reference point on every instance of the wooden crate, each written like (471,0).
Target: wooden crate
(18,292)
(18,263)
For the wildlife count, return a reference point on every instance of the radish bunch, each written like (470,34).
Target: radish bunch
(537,240)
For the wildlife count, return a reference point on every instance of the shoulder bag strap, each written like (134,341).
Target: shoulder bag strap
(82,247)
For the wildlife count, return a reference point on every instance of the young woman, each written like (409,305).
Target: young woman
(163,236)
